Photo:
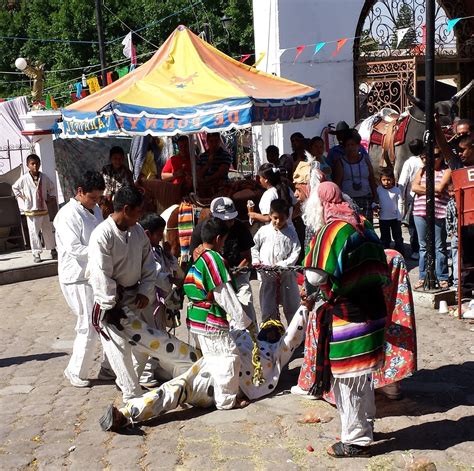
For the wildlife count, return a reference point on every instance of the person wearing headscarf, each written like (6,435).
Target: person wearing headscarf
(347,262)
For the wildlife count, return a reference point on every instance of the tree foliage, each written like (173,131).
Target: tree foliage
(75,20)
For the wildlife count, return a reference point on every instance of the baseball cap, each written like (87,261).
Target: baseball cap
(223,208)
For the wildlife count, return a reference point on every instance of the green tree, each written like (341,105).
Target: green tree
(75,20)
(404,20)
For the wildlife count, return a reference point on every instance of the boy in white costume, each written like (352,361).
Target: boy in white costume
(74,224)
(166,266)
(122,274)
(35,189)
(277,245)
(197,387)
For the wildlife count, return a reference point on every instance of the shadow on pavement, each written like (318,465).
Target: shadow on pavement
(24,359)
(431,391)
(438,435)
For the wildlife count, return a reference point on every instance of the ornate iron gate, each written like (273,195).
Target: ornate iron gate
(382,84)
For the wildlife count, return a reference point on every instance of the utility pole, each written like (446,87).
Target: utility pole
(100,35)
(431,281)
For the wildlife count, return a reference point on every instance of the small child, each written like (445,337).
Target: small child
(390,217)
(35,189)
(277,244)
(213,310)
(452,230)
(166,268)
(155,313)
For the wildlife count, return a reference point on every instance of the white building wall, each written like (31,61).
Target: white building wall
(280,24)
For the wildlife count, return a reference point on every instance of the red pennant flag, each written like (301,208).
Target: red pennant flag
(299,50)
(340,45)
(244,57)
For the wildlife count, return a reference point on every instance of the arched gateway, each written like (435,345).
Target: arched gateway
(389,52)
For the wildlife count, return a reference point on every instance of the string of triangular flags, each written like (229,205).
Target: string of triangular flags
(340,43)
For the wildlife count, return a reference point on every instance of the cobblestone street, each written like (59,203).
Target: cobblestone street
(47,424)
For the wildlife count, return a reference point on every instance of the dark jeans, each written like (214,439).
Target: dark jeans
(415,246)
(393,226)
(441,255)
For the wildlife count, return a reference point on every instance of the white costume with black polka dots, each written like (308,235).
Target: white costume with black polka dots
(196,386)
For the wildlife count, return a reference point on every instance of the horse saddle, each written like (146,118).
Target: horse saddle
(388,132)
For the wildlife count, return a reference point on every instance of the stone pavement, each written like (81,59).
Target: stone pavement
(47,424)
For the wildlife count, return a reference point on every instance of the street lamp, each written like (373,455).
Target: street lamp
(226,21)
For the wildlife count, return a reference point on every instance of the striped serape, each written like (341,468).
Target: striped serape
(185,229)
(208,272)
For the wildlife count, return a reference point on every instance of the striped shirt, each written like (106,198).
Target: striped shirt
(221,157)
(441,202)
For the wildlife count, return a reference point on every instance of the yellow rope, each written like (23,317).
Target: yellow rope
(257,378)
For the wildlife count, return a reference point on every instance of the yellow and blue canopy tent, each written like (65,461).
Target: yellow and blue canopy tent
(189,86)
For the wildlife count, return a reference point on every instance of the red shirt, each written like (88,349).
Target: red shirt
(175,163)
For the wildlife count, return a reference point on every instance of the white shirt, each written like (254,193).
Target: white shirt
(390,203)
(74,225)
(119,258)
(407,175)
(270,195)
(273,247)
(33,195)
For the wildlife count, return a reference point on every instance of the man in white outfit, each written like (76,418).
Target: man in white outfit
(122,273)
(74,224)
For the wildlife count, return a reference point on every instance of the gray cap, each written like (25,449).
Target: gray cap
(223,208)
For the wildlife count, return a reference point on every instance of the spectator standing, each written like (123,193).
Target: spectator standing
(407,175)
(355,176)
(390,202)
(442,179)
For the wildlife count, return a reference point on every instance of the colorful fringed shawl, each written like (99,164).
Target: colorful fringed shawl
(185,229)
(208,272)
(351,323)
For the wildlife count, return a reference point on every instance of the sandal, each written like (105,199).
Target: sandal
(342,450)
(419,284)
(444,284)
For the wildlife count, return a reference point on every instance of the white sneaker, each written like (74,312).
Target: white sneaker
(301,392)
(468,314)
(75,380)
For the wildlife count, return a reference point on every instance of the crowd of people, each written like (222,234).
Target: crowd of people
(346,300)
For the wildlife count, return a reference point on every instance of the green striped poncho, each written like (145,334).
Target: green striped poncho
(208,272)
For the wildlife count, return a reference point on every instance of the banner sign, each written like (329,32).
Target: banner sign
(238,113)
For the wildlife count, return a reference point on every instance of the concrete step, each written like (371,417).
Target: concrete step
(19,266)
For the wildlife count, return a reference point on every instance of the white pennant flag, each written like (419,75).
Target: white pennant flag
(401,34)
(127,45)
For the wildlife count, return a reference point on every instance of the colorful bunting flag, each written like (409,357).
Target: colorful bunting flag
(260,59)
(451,24)
(318,47)
(127,45)
(122,71)
(340,45)
(244,57)
(299,50)
(79,90)
(401,33)
(93,84)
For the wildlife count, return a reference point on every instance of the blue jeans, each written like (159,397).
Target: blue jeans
(441,250)
(454,258)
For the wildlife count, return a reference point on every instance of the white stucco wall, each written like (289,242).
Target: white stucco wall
(280,24)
